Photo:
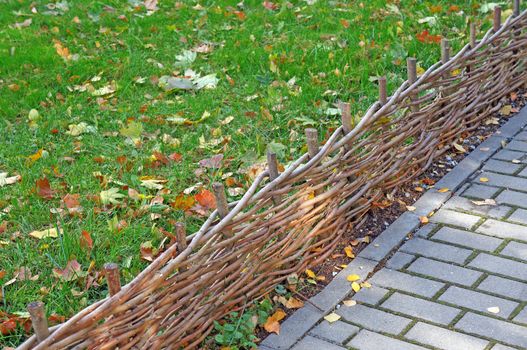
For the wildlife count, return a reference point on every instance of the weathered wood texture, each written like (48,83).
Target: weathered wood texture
(174,301)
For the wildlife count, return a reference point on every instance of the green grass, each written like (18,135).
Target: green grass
(287,67)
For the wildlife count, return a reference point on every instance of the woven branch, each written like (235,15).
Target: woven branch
(230,262)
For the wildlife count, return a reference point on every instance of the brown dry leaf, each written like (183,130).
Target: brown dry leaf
(459,148)
(206,199)
(349,302)
(485,202)
(44,189)
(85,240)
(71,272)
(272,324)
(418,189)
(410,208)
(365,284)
(506,110)
(72,203)
(293,303)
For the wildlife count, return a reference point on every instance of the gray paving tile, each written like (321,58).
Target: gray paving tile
(502,347)
(522,316)
(407,283)
(478,301)
(502,229)
(516,250)
(509,155)
(443,338)
(481,191)
(517,199)
(499,166)
(420,308)
(517,145)
(373,319)
(444,271)
(500,266)
(467,239)
(336,332)
(507,181)
(399,260)
(312,343)
(367,340)
(465,204)
(455,218)
(504,286)
(370,295)
(519,216)
(502,331)
(436,250)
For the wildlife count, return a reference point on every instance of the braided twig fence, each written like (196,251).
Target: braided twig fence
(286,222)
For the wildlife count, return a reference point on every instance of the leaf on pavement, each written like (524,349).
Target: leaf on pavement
(332,317)
(272,324)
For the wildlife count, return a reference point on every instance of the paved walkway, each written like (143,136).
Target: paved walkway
(459,282)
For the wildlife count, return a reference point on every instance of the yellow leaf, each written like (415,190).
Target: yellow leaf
(332,317)
(459,148)
(443,190)
(349,303)
(365,285)
(424,219)
(36,156)
(355,286)
(353,278)
(506,110)
(293,303)
(483,179)
(349,252)
(310,274)
(51,232)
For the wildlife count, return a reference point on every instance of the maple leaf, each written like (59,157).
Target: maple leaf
(206,199)
(183,202)
(72,203)
(111,196)
(85,240)
(213,162)
(71,272)
(272,324)
(44,189)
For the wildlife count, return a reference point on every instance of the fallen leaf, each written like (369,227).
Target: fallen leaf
(485,202)
(206,199)
(293,303)
(424,219)
(353,278)
(365,284)
(5,180)
(459,148)
(483,179)
(516,161)
(410,208)
(213,162)
(332,317)
(272,324)
(111,196)
(85,240)
(71,272)
(72,203)
(349,252)
(355,286)
(494,310)
(349,302)
(44,189)
(506,110)
(310,274)
(47,233)
(443,190)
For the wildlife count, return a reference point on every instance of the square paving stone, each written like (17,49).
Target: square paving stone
(504,286)
(420,308)
(467,239)
(519,215)
(407,283)
(481,191)
(517,199)
(523,173)
(493,328)
(502,347)
(367,340)
(312,343)
(478,301)
(370,295)
(443,338)
(500,266)
(336,332)
(444,271)
(455,218)
(516,250)
(503,230)
(500,166)
(522,316)
(436,250)
(373,319)
(517,145)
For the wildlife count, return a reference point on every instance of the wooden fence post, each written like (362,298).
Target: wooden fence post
(411,70)
(39,320)
(221,199)
(383,92)
(345,110)
(181,237)
(516,7)
(113,278)
(445,56)
(272,163)
(497,18)
(312,147)
(473,41)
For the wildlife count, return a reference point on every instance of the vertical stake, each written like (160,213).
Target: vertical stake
(445,55)
(497,18)
(411,68)
(516,8)
(181,236)
(383,93)
(473,34)
(221,199)
(272,162)
(312,142)
(38,319)
(113,278)
(345,110)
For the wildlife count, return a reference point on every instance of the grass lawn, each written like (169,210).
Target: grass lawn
(112,158)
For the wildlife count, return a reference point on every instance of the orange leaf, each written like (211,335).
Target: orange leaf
(183,202)
(86,241)
(272,325)
(206,199)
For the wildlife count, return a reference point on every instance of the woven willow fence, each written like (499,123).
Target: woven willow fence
(289,221)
